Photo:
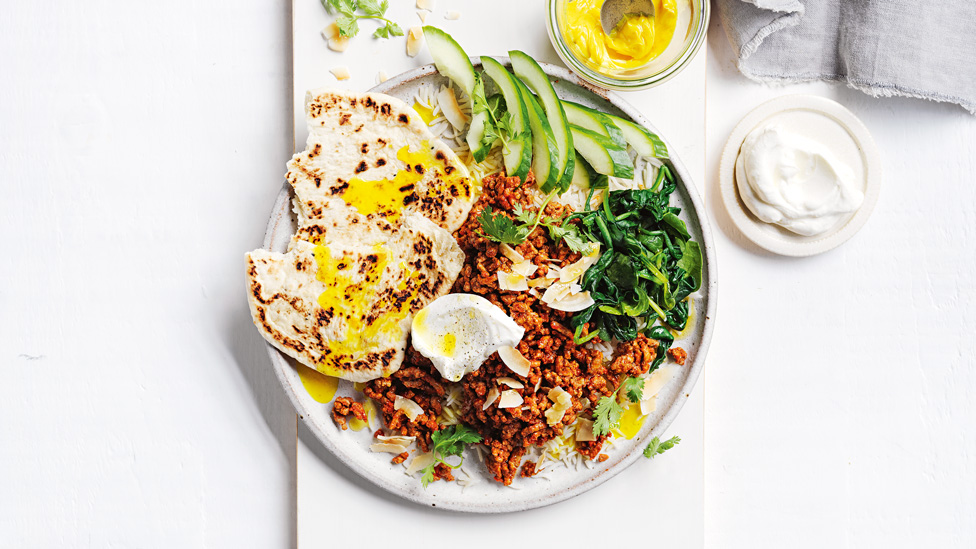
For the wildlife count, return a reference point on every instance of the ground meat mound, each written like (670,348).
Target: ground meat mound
(346,406)
(548,344)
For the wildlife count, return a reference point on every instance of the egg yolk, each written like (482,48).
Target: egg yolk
(635,41)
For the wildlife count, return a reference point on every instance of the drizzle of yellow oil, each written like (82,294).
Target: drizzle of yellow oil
(426,114)
(320,387)
(631,421)
(690,324)
(357,424)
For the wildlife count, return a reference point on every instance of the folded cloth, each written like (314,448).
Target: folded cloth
(881,47)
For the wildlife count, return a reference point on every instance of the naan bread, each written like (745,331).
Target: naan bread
(342,298)
(370,157)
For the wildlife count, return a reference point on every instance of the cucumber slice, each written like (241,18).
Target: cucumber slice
(538,81)
(595,121)
(543,142)
(644,142)
(450,59)
(452,62)
(518,152)
(584,177)
(603,155)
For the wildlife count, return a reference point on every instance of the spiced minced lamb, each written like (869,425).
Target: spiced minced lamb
(556,361)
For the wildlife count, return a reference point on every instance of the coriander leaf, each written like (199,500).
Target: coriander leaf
(393,29)
(606,415)
(428,474)
(500,228)
(348,26)
(448,442)
(633,388)
(656,447)
(523,215)
(371,7)
(570,235)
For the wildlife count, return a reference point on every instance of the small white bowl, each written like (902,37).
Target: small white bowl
(821,119)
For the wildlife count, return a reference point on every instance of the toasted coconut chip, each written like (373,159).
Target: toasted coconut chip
(574,271)
(372,415)
(541,282)
(452,111)
(656,381)
(525,268)
(382,76)
(422,14)
(419,462)
(339,43)
(425,5)
(553,273)
(584,430)
(331,31)
(566,296)
(562,401)
(648,405)
(513,383)
(409,407)
(341,73)
(514,360)
(415,39)
(452,15)
(490,398)
(392,445)
(509,399)
(513,282)
(511,253)
(538,384)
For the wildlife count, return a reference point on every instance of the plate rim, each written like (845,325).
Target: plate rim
(280,365)
(788,244)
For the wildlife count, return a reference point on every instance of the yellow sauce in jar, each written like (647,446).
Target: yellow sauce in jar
(635,41)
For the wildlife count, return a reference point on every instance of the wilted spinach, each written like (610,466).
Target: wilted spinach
(648,268)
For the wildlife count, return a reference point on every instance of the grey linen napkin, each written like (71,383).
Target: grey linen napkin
(913,48)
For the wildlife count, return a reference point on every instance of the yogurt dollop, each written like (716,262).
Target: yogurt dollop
(794,182)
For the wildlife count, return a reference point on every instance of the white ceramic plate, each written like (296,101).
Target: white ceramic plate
(828,122)
(486,495)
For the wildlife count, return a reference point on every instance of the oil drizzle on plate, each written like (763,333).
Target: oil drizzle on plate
(320,387)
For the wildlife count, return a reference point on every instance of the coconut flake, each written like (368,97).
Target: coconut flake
(515,361)
(656,381)
(540,282)
(425,5)
(415,39)
(392,445)
(648,405)
(584,430)
(331,31)
(341,73)
(574,271)
(409,407)
(452,15)
(510,382)
(419,462)
(490,398)
(339,43)
(562,401)
(525,268)
(422,14)
(509,399)
(511,253)
(512,281)
(572,303)
(452,111)
(382,76)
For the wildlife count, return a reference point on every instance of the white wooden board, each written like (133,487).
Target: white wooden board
(665,496)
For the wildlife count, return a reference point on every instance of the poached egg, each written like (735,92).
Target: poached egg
(458,332)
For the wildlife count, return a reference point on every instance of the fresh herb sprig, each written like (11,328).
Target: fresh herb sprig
(607,413)
(448,442)
(648,268)
(503,229)
(348,19)
(656,447)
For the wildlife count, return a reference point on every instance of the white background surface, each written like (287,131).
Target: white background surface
(142,145)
